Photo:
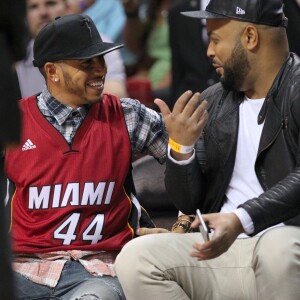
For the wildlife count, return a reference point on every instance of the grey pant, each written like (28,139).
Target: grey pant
(159,267)
(75,283)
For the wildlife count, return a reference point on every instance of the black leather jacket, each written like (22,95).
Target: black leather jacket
(203,183)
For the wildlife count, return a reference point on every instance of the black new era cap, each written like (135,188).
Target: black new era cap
(69,37)
(266,12)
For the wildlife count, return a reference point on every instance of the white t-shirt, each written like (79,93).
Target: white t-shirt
(244,184)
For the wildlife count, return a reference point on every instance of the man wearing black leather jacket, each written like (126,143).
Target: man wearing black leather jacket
(244,164)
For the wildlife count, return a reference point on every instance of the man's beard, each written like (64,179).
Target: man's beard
(76,90)
(235,68)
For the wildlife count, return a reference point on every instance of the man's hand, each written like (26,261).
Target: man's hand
(145,230)
(187,120)
(226,227)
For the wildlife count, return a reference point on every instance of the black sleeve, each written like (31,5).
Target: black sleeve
(185,183)
(278,204)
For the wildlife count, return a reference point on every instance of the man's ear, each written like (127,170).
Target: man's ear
(250,37)
(51,71)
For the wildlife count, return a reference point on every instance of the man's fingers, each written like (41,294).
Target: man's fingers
(187,119)
(203,251)
(163,107)
(145,231)
(205,255)
(192,105)
(208,250)
(195,223)
(182,101)
(201,113)
(195,109)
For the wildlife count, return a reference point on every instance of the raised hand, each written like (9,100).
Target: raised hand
(187,120)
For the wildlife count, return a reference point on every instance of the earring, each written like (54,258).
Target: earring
(56,79)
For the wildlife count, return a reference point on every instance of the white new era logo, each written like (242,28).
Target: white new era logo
(240,11)
(28,145)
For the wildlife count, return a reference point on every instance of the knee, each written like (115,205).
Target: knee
(280,241)
(105,295)
(102,288)
(139,255)
(129,255)
(280,245)
(277,265)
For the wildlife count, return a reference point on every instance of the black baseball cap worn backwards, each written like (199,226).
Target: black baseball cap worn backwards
(72,36)
(265,12)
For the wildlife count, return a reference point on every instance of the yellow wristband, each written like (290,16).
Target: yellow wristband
(180,148)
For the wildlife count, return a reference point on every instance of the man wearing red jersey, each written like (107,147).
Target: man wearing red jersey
(72,204)
(71,192)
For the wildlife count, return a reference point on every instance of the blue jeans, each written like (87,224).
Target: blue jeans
(75,283)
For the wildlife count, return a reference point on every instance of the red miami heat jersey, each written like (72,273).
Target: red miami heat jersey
(71,196)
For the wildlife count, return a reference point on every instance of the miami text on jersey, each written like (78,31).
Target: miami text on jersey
(53,196)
